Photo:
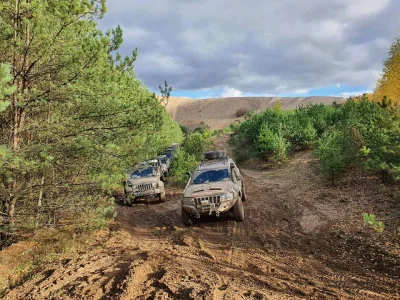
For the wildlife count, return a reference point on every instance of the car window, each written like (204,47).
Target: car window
(211,176)
(142,173)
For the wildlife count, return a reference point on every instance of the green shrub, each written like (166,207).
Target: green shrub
(272,144)
(241,112)
(183,163)
(184,129)
(370,219)
(194,144)
(331,154)
(355,125)
(227,129)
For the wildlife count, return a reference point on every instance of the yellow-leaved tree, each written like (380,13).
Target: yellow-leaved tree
(389,84)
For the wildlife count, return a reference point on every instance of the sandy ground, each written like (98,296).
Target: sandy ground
(221,112)
(301,239)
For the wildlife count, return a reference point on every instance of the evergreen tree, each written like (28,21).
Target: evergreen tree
(78,117)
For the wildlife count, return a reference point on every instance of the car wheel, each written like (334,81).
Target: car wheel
(129,199)
(161,196)
(186,218)
(238,210)
(244,195)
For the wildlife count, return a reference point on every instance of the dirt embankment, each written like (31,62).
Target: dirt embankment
(221,112)
(301,239)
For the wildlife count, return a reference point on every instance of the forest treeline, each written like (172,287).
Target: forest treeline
(73,115)
(360,130)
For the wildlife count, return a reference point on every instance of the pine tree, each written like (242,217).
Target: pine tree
(78,116)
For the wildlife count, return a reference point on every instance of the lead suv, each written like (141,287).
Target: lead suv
(215,187)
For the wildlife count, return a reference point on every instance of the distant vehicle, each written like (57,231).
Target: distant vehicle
(144,181)
(169,154)
(154,163)
(164,162)
(215,187)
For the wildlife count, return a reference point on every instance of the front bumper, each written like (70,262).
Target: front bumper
(145,193)
(206,208)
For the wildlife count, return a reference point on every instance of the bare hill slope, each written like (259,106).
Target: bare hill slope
(221,112)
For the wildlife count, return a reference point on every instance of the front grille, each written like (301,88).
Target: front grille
(211,199)
(145,187)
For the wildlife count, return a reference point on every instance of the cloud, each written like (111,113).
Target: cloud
(352,94)
(301,91)
(257,47)
(231,92)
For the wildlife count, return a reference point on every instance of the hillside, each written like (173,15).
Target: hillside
(221,112)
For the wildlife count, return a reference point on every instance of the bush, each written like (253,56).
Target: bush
(227,129)
(183,163)
(272,144)
(332,152)
(357,124)
(242,112)
(194,144)
(184,129)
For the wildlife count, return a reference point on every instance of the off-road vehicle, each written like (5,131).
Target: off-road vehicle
(215,187)
(155,163)
(164,162)
(169,153)
(144,181)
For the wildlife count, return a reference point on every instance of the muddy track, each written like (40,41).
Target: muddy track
(299,240)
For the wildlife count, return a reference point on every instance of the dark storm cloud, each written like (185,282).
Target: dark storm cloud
(256,46)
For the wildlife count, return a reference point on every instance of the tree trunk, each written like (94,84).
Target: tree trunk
(39,203)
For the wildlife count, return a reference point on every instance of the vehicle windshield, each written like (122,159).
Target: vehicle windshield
(142,173)
(211,176)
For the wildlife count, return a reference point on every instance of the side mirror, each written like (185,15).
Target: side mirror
(188,174)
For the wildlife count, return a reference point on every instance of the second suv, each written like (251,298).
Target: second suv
(215,187)
(144,181)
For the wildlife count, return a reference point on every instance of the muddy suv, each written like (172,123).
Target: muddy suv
(165,163)
(215,187)
(144,181)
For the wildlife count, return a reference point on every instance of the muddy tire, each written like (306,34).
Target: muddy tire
(238,210)
(244,195)
(186,218)
(161,196)
(129,199)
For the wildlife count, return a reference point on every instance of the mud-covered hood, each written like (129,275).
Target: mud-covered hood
(152,179)
(209,189)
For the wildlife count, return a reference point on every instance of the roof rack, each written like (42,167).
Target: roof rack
(214,156)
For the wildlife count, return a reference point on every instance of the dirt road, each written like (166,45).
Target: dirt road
(300,239)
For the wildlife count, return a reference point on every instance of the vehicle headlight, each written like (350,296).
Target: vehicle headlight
(187,201)
(155,185)
(227,197)
(132,186)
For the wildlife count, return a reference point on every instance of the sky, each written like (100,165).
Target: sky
(226,48)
